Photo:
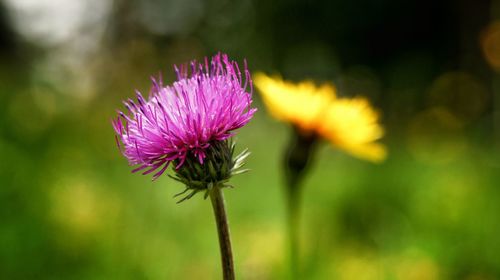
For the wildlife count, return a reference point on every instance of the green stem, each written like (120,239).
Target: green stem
(293,228)
(297,157)
(218,205)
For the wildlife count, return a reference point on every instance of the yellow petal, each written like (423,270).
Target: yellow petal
(301,104)
(352,125)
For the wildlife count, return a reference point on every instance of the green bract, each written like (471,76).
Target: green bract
(216,170)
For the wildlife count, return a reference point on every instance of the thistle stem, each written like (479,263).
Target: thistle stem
(218,205)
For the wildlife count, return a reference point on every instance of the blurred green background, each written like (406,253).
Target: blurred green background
(71,209)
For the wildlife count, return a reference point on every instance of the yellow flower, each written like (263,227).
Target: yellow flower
(348,123)
(300,104)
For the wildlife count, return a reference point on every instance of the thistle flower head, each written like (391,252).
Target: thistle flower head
(187,119)
(350,124)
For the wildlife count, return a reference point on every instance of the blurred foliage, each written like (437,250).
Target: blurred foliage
(71,209)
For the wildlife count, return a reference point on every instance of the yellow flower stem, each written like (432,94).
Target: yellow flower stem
(297,159)
(293,215)
(218,205)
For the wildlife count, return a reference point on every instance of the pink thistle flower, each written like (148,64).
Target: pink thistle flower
(184,120)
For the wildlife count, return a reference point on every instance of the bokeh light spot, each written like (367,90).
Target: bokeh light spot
(435,136)
(51,22)
(81,207)
(490,43)
(359,266)
(460,93)
(415,265)
(28,117)
(263,253)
